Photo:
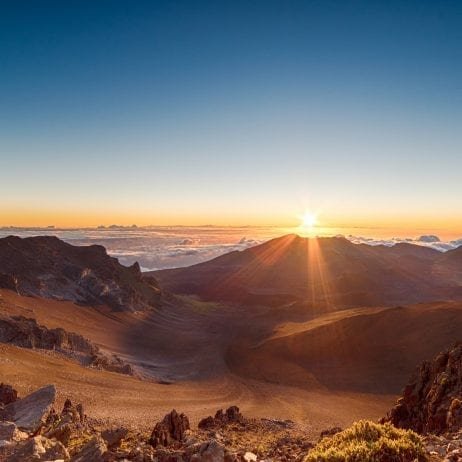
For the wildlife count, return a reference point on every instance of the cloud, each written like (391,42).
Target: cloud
(431,241)
(249,242)
(188,241)
(169,247)
(429,238)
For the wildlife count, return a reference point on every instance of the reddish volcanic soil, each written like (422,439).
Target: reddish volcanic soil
(184,345)
(318,369)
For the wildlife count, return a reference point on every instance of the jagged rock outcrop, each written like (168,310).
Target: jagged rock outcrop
(171,429)
(31,413)
(47,267)
(62,426)
(432,401)
(27,333)
(231,414)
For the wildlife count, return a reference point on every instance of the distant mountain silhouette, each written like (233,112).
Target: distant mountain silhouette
(47,267)
(329,271)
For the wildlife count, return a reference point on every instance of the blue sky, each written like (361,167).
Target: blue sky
(231,112)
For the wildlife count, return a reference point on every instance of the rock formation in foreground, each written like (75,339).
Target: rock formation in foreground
(47,267)
(432,400)
(32,430)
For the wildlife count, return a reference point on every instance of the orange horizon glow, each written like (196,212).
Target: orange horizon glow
(321,224)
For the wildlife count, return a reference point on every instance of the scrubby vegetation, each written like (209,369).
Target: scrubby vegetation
(366,441)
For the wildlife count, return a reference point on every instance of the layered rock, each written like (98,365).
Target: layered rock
(432,400)
(47,267)
(27,333)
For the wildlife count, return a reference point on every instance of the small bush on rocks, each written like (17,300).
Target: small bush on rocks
(366,441)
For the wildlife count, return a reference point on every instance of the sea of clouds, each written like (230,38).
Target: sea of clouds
(428,240)
(155,247)
(169,247)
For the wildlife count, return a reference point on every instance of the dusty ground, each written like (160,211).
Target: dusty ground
(185,345)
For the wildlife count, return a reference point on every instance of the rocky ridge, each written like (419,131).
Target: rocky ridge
(432,405)
(27,333)
(47,267)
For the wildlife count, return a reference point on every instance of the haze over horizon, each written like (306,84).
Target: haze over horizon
(232,114)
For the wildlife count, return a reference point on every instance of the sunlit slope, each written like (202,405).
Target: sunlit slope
(332,272)
(372,350)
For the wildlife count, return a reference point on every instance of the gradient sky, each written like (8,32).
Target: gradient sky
(189,112)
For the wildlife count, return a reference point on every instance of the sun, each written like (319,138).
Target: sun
(309,220)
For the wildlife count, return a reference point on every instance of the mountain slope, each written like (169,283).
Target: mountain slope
(369,350)
(328,271)
(48,267)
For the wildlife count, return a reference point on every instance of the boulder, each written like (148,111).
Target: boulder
(10,432)
(171,429)
(93,451)
(211,451)
(250,457)
(7,394)
(114,436)
(31,412)
(38,449)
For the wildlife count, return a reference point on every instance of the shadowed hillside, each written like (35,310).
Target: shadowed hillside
(373,350)
(47,267)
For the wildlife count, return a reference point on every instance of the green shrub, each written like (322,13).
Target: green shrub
(366,441)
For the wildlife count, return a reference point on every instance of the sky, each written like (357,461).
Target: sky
(232,113)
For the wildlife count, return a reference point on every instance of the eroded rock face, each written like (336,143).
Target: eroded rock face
(47,267)
(171,429)
(27,333)
(432,401)
(31,412)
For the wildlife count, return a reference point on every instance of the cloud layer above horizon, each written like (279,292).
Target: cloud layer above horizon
(170,247)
